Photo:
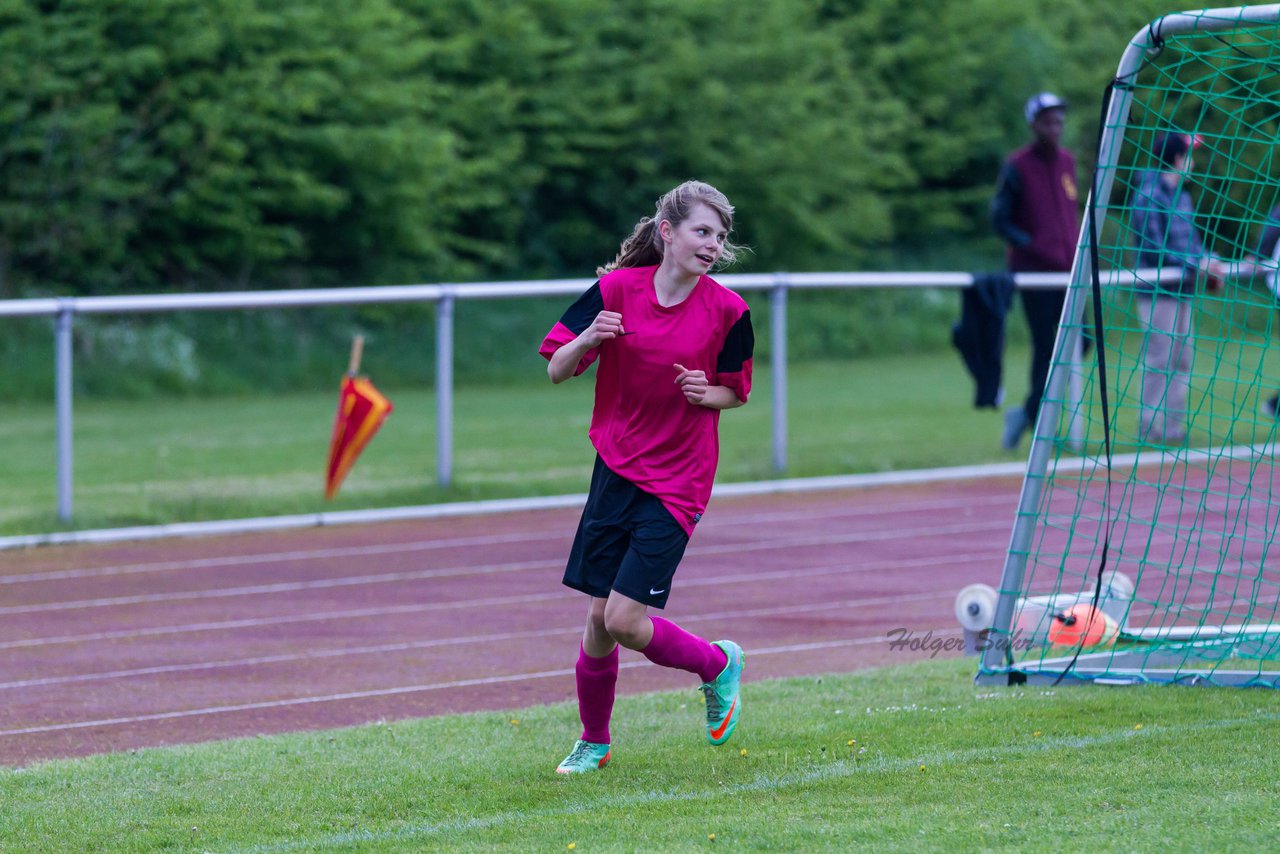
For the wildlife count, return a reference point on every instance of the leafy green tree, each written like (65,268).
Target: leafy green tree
(158,143)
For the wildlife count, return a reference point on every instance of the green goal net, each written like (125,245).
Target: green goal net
(1145,544)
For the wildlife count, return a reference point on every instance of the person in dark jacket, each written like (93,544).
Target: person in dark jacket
(1036,210)
(1165,235)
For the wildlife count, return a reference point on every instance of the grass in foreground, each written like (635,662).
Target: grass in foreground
(907,758)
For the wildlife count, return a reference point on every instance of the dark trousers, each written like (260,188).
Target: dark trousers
(1043,309)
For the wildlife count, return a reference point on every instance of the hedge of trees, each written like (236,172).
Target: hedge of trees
(153,145)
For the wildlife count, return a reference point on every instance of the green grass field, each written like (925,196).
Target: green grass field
(173,460)
(908,758)
(912,758)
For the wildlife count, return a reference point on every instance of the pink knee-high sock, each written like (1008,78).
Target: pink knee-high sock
(672,646)
(597,678)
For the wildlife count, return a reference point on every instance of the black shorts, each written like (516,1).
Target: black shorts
(626,541)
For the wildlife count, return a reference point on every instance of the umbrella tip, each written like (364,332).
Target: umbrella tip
(357,349)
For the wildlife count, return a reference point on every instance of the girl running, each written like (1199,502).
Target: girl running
(675,348)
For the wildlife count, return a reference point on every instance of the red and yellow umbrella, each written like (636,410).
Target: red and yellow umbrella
(361,411)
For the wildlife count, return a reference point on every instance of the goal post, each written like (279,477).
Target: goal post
(1144,547)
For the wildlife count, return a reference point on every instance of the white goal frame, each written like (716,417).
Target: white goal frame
(997,665)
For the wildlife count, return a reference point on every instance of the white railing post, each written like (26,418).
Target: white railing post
(62,403)
(778,366)
(444,390)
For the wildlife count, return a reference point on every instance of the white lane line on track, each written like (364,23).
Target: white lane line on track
(716,519)
(418,575)
(279,587)
(417,689)
(712,523)
(311,655)
(229,561)
(277,620)
(394,610)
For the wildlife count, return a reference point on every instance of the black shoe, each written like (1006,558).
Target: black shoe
(1271,404)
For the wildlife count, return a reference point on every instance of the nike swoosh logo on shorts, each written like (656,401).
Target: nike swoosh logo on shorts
(653,592)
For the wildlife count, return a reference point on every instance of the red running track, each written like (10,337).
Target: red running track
(106,648)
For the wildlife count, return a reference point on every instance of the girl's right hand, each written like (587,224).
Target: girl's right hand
(606,326)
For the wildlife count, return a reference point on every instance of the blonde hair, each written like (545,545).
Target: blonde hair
(644,247)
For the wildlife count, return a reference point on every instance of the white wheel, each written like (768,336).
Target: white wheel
(976,607)
(1116,585)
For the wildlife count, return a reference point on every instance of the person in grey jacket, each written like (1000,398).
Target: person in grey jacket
(1163,222)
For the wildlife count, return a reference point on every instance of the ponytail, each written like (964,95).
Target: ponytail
(642,249)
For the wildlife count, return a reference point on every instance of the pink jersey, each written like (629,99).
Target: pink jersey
(642,426)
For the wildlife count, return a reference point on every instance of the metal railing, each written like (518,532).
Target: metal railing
(444,296)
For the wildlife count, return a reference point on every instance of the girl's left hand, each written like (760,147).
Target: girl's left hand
(693,384)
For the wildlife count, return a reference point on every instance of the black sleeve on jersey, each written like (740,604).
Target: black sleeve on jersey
(578,316)
(739,346)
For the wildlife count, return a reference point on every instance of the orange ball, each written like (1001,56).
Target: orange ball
(1082,625)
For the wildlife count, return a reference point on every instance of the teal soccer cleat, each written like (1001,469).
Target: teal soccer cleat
(724,696)
(584,757)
